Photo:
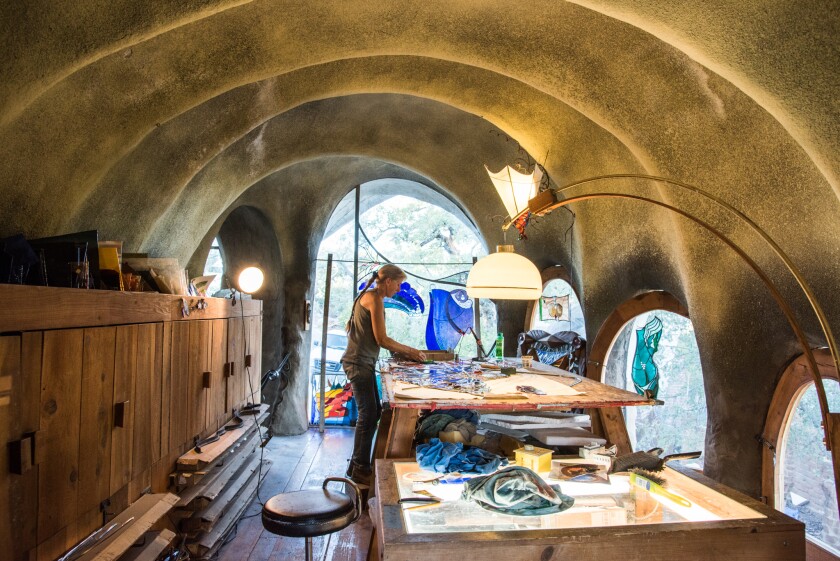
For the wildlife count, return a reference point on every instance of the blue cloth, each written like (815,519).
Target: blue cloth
(447,457)
(516,490)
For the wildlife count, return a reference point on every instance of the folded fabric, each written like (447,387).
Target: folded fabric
(518,491)
(433,424)
(446,457)
(459,430)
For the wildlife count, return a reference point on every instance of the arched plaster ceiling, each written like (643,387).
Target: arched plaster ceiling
(154,124)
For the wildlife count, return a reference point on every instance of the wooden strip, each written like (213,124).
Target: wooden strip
(96,417)
(193,461)
(401,434)
(209,543)
(156,412)
(224,501)
(141,454)
(124,376)
(254,390)
(30,308)
(236,354)
(58,440)
(24,489)
(145,512)
(615,429)
(155,543)
(218,476)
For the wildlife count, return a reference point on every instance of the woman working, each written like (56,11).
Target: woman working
(366,335)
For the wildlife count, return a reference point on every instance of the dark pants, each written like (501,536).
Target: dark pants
(363,380)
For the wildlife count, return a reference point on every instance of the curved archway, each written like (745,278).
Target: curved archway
(792,389)
(555,272)
(611,418)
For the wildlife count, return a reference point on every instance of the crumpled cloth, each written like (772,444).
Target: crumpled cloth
(461,430)
(447,457)
(516,490)
(433,424)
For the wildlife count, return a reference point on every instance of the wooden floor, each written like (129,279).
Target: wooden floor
(299,462)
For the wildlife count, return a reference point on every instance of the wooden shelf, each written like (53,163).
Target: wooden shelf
(30,308)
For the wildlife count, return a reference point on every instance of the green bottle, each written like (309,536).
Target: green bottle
(500,346)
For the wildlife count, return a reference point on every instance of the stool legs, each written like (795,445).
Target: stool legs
(308,547)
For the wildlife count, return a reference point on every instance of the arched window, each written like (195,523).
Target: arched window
(799,478)
(558,309)
(215,265)
(667,336)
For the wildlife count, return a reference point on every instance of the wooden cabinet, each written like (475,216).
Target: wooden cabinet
(110,388)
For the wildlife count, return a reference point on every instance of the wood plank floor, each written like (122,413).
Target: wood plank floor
(299,462)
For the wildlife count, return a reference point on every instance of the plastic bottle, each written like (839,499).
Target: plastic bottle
(500,347)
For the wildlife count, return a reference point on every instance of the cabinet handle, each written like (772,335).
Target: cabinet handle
(120,410)
(247,361)
(22,454)
(206,378)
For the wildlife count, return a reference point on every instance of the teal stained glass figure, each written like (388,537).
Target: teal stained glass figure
(645,372)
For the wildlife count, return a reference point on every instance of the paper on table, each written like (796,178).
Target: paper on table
(549,386)
(410,391)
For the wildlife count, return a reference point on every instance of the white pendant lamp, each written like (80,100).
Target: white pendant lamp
(514,188)
(504,275)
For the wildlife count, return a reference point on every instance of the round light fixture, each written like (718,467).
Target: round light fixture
(504,275)
(250,280)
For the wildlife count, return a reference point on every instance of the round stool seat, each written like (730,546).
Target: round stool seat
(308,513)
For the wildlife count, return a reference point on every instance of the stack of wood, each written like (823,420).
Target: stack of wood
(129,536)
(216,484)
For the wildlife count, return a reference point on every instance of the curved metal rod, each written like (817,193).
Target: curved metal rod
(782,303)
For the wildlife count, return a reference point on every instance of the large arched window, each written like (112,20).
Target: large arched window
(798,474)
(655,326)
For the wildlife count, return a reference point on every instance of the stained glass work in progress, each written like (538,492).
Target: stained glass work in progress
(645,371)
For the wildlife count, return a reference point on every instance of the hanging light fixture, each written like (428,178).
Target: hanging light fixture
(250,280)
(516,189)
(504,275)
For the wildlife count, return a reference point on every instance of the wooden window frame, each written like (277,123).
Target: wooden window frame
(793,383)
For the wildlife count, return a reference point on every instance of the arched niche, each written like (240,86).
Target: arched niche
(611,419)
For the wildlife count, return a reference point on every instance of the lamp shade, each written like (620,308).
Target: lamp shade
(514,188)
(504,275)
(250,280)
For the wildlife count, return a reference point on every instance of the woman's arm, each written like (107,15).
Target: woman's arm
(377,319)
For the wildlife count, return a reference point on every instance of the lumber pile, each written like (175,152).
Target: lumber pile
(217,483)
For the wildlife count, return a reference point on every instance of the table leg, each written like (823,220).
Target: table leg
(401,434)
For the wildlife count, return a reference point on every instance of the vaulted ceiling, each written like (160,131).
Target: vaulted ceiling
(157,121)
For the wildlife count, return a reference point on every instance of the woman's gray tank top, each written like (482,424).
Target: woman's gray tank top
(361,348)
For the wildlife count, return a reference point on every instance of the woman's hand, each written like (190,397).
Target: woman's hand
(418,355)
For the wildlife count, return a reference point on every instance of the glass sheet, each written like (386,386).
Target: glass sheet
(616,503)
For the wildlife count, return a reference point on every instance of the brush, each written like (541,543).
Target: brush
(654,483)
(649,460)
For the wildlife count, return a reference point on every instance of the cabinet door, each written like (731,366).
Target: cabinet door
(125,373)
(20,381)
(236,358)
(255,352)
(201,333)
(179,372)
(97,417)
(58,439)
(146,414)
(217,407)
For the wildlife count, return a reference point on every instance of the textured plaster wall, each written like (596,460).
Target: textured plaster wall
(167,123)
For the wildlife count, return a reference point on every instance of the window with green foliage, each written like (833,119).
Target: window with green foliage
(427,242)
(680,424)
(558,309)
(215,266)
(806,476)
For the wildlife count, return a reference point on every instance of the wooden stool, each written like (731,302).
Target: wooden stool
(312,512)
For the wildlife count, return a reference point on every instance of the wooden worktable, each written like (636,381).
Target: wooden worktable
(736,528)
(399,416)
